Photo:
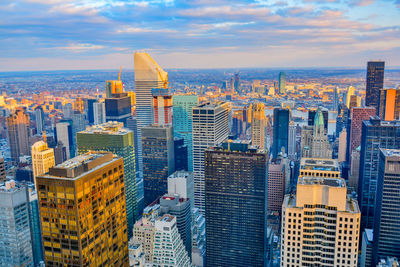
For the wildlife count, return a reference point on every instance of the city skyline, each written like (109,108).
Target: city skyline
(90,34)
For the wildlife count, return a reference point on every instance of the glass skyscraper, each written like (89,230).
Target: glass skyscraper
(375,78)
(386,242)
(281,131)
(376,134)
(282,82)
(236,205)
(182,121)
(111,136)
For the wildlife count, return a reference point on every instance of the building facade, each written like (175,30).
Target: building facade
(18,134)
(389,104)
(42,158)
(258,124)
(236,205)
(82,211)
(281,131)
(375,79)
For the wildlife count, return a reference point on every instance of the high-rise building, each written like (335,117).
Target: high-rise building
(178,206)
(281,131)
(181,154)
(354,172)
(342,146)
(3,174)
(42,158)
(18,134)
(36,232)
(113,137)
(99,113)
(148,75)
(389,104)
(387,213)
(39,118)
(210,127)
(313,112)
(258,124)
(276,184)
(335,98)
(118,107)
(60,153)
(375,79)
(358,115)
(236,205)
(15,231)
(306,141)
(292,140)
(90,110)
(376,134)
(282,83)
(182,121)
(158,160)
(350,94)
(63,133)
(320,147)
(366,248)
(114,86)
(236,82)
(162,106)
(82,212)
(168,247)
(181,182)
(320,224)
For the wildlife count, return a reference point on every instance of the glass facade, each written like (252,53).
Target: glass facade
(236,204)
(281,131)
(376,134)
(375,78)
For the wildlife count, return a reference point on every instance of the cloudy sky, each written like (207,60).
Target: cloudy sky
(103,34)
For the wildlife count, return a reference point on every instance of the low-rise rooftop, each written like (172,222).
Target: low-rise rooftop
(110,127)
(311,180)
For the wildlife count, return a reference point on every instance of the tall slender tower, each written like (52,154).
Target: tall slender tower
(18,133)
(148,75)
(258,124)
(281,131)
(292,143)
(113,137)
(182,121)
(210,127)
(282,82)
(389,104)
(39,118)
(375,78)
(236,205)
(82,212)
(320,145)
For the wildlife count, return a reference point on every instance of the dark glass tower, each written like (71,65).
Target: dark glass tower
(158,160)
(118,108)
(236,204)
(90,111)
(375,77)
(376,134)
(281,131)
(387,213)
(311,117)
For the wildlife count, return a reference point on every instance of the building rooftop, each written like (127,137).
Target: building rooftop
(110,127)
(167,218)
(82,164)
(311,180)
(209,105)
(180,174)
(391,152)
(319,164)
(10,187)
(236,146)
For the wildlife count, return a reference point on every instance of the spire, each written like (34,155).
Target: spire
(44,136)
(319,119)
(119,75)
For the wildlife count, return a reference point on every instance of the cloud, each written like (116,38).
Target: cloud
(79,48)
(143,30)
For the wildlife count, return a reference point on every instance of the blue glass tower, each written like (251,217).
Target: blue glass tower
(281,131)
(376,134)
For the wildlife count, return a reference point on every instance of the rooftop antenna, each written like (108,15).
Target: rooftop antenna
(119,76)
(97,93)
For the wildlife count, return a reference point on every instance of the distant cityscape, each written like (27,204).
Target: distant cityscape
(218,167)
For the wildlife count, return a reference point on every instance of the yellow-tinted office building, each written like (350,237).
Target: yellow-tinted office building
(83,212)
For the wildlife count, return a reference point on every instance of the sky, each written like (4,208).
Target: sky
(103,34)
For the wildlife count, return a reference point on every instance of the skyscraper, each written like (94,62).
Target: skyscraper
(15,232)
(182,121)
(114,86)
(158,160)
(63,133)
(118,107)
(320,147)
(276,184)
(358,115)
(90,110)
(210,127)
(39,118)
(335,98)
(2,170)
(387,213)
(389,104)
(42,158)
(376,134)
(258,124)
(350,94)
(292,140)
(162,106)
(113,137)
(320,224)
(18,133)
(181,154)
(236,82)
(313,112)
(281,131)
(148,75)
(99,113)
(36,232)
(236,205)
(375,79)
(282,83)
(82,212)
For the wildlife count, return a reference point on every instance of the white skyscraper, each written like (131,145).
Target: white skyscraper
(64,130)
(210,127)
(148,75)
(99,113)
(292,140)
